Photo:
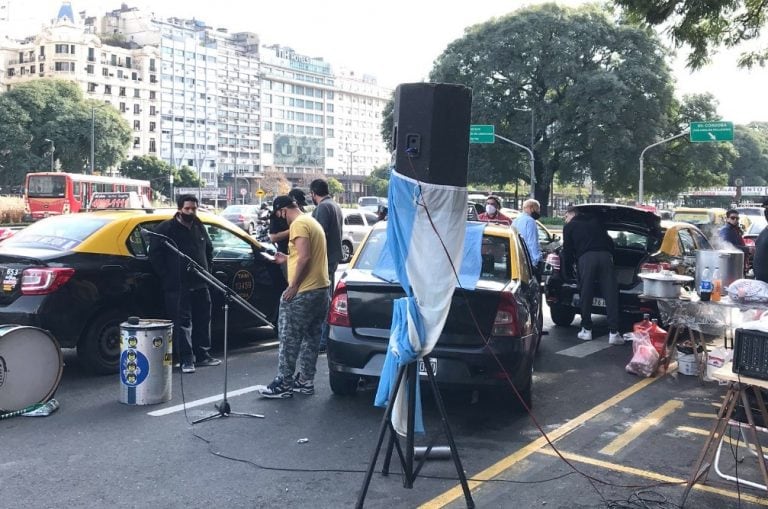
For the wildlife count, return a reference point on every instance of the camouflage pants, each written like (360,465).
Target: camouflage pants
(299,327)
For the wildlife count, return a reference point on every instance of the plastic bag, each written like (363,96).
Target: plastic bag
(748,290)
(645,358)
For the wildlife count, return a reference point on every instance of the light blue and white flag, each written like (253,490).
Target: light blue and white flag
(425,239)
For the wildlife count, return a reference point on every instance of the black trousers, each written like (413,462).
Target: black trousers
(190,311)
(596,269)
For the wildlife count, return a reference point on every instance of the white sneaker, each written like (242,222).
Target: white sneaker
(615,338)
(585,334)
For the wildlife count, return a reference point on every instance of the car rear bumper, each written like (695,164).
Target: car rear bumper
(630,302)
(28,309)
(466,366)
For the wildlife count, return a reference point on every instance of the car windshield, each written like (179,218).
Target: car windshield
(494,252)
(46,186)
(692,217)
(61,233)
(365,202)
(628,240)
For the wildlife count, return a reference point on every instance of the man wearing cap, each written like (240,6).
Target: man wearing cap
(493,213)
(278,228)
(303,305)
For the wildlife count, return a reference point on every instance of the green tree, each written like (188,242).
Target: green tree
(153,169)
(15,156)
(56,110)
(752,163)
(378,181)
(600,92)
(705,25)
(335,187)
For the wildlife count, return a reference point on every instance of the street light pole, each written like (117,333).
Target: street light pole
(642,154)
(53,149)
(533,140)
(530,153)
(93,139)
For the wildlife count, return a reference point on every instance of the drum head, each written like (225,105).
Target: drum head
(30,366)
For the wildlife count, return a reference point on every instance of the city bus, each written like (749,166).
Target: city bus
(54,193)
(724,197)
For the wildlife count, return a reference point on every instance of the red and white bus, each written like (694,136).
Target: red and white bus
(54,193)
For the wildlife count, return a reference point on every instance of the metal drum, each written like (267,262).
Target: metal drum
(146,360)
(30,366)
(730,263)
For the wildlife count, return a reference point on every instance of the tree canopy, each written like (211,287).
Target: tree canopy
(55,110)
(705,25)
(599,91)
(157,172)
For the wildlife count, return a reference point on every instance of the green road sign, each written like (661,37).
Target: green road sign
(711,131)
(481,134)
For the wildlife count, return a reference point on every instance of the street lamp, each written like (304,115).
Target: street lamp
(53,149)
(533,139)
(350,153)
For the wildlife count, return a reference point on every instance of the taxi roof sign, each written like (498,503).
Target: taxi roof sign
(117,200)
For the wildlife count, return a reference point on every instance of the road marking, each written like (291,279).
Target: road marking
(585,348)
(634,431)
(204,401)
(705,433)
(506,463)
(702,415)
(654,476)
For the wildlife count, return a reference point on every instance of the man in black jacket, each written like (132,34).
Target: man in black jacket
(760,260)
(586,242)
(187,299)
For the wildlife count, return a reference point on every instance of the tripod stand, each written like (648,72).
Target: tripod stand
(222,408)
(406,462)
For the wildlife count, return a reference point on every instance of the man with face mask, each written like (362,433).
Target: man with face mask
(187,299)
(760,260)
(493,213)
(525,224)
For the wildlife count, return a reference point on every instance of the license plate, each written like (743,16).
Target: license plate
(423,369)
(596,301)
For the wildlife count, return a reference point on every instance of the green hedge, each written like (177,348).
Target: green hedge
(554,221)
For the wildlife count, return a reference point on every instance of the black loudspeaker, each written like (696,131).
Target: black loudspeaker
(431,132)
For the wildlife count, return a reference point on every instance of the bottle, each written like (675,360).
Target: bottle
(717,285)
(705,286)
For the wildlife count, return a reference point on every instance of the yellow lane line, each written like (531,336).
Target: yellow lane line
(500,466)
(702,415)
(703,432)
(652,419)
(654,476)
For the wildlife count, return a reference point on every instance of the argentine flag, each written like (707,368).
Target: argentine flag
(425,239)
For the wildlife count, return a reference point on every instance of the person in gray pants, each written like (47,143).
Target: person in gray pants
(586,240)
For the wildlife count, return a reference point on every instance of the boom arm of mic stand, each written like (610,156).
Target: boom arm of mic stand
(211,280)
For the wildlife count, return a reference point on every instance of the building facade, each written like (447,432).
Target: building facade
(123,77)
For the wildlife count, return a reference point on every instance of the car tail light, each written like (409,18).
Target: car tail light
(44,280)
(507,321)
(338,314)
(241,218)
(749,242)
(552,262)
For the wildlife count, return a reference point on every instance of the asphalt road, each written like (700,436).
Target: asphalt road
(619,437)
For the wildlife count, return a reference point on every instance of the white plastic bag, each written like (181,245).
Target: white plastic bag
(645,358)
(748,290)
(717,358)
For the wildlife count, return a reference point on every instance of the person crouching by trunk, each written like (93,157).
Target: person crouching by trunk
(187,299)
(303,305)
(586,241)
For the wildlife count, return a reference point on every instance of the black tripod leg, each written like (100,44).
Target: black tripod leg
(412,378)
(385,424)
(449,434)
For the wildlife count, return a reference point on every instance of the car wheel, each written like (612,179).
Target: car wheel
(99,348)
(346,252)
(540,326)
(343,384)
(561,315)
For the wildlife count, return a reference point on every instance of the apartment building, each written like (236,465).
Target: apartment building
(107,70)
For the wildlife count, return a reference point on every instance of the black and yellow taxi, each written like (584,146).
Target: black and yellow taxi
(642,242)
(80,276)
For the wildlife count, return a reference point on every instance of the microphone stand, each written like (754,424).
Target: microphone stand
(222,408)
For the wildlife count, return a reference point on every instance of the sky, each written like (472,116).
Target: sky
(397,40)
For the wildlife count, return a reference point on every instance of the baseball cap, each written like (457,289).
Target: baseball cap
(282,202)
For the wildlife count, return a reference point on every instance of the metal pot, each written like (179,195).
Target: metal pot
(730,263)
(665,286)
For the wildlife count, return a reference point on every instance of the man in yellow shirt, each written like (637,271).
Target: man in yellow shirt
(304,303)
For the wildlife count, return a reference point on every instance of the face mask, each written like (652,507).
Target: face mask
(187,218)
(535,215)
(490,209)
